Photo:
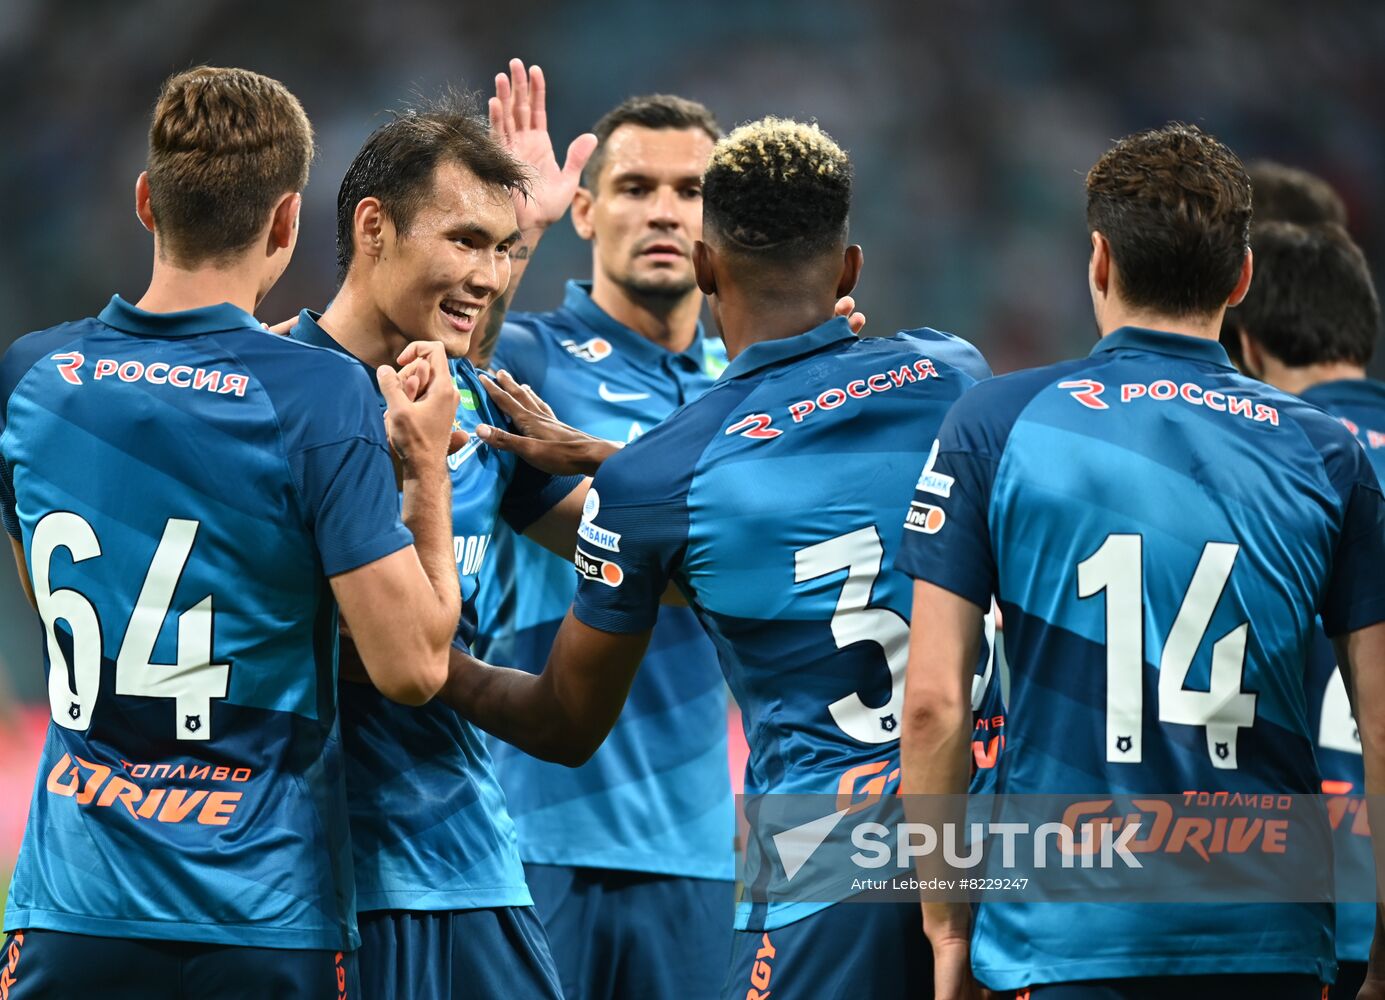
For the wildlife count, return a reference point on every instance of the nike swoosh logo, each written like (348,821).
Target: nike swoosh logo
(619,397)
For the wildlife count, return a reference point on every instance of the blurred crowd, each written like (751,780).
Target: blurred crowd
(971,123)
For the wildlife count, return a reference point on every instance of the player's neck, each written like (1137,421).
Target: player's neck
(1296,380)
(354,322)
(1117,314)
(746,321)
(670,322)
(174,289)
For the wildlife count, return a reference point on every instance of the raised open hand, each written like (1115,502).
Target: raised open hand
(519,118)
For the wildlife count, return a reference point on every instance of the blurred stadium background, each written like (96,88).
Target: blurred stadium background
(971,122)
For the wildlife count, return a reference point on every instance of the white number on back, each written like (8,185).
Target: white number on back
(192,682)
(1117,568)
(860,554)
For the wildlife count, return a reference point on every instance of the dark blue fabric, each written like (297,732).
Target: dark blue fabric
(875,950)
(634,934)
(441,955)
(53,964)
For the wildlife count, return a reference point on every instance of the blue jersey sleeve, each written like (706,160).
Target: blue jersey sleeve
(628,548)
(947,538)
(532,494)
(8,513)
(1355,596)
(347,485)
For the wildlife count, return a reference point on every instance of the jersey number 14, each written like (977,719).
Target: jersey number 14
(1117,568)
(192,682)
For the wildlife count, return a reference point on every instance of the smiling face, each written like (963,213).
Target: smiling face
(646,210)
(435,278)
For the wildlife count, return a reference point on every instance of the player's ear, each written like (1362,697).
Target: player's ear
(852,261)
(1099,267)
(368,227)
(142,209)
(1243,282)
(704,267)
(1252,358)
(582,213)
(283,226)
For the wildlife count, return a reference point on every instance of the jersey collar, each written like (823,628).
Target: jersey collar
(1348,390)
(772,352)
(577,300)
(1136,338)
(309,331)
(185,323)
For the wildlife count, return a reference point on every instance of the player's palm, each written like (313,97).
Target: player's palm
(519,117)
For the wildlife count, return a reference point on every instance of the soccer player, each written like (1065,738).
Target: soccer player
(1160,538)
(632,853)
(425,224)
(1308,326)
(1280,193)
(189,498)
(770,502)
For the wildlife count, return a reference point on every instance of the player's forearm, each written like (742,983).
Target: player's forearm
(1361,656)
(935,743)
(935,751)
(483,345)
(517,707)
(427,513)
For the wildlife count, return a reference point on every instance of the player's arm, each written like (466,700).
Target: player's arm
(1361,656)
(23,566)
(557,529)
(519,118)
(403,608)
(563,714)
(935,745)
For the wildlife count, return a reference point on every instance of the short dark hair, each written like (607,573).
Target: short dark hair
(1312,300)
(224,146)
(1281,193)
(778,185)
(399,159)
(1174,203)
(657,111)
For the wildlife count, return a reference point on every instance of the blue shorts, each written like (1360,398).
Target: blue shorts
(420,955)
(875,950)
(43,964)
(634,934)
(1350,976)
(1229,987)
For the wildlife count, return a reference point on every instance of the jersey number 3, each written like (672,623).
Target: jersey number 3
(1224,709)
(192,682)
(860,554)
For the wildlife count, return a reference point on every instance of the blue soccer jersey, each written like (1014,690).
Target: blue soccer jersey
(429,825)
(773,501)
(1160,532)
(1360,405)
(656,796)
(183,485)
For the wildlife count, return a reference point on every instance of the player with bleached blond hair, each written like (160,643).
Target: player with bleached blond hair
(772,502)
